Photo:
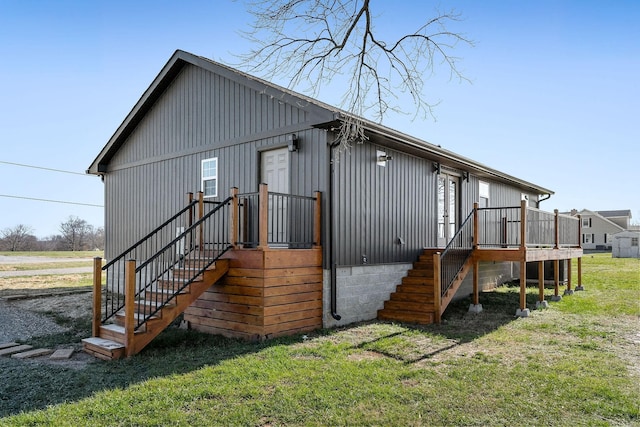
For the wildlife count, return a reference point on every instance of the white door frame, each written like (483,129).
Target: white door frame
(448,207)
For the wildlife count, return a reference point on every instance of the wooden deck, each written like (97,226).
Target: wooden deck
(517,234)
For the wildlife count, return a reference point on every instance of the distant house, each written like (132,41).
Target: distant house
(626,244)
(301,235)
(620,217)
(598,229)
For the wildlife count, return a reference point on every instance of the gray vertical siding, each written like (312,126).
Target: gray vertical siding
(374,206)
(201,115)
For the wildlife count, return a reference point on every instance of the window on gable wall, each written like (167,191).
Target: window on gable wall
(209,174)
(586,222)
(483,194)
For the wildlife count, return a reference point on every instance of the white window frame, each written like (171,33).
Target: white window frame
(483,193)
(206,175)
(634,242)
(586,222)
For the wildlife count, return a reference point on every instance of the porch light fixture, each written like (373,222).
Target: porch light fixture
(382,158)
(465,175)
(292,142)
(436,167)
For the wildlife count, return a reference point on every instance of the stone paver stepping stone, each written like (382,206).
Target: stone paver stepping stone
(32,353)
(7,345)
(15,349)
(62,353)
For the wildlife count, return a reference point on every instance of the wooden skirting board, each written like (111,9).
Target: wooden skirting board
(266,293)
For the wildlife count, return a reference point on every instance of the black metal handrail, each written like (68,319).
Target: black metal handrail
(155,231)
(289,223)
(162,251)
(499,227)
(456,254)
(182,261)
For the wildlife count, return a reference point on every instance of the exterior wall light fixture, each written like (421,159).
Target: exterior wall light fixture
(292,142)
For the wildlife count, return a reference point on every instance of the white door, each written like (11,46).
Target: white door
(447,208)
(274,166)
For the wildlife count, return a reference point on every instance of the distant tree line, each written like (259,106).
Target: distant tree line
(75,235)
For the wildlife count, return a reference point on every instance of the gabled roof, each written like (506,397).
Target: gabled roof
(615,214)
(323,116)
(587,212)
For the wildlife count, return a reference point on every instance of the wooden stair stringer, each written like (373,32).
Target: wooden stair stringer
(451,292)
(153,327)
(181,301)
(413,301)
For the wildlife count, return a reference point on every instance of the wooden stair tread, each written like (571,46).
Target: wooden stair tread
(411,297)
(104,343)
(155,324)
(417,307)
(405,316)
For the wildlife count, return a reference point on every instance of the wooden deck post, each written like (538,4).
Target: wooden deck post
(97,296)
(317,219)
(580,287)
(263,221)
(129,299)
(523,226)
(476,225)
(568,291)
(523,286)
(540,281)
(200,215)
(233,218)
(556,229)
(556,278)
(523,263)
(476,277)
(437,292)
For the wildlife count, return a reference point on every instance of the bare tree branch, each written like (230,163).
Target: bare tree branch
(312,42)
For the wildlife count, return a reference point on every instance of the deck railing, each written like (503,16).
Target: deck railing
(198,232)
(268,219)
(499,227)
(503,228)
(540,228)
(456,254)
(144,248)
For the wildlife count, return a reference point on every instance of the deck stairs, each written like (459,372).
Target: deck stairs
(110,342)
(413,300)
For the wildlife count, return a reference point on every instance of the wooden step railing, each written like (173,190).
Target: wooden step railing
(452,265)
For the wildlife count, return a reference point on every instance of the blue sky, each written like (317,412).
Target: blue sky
(554,97)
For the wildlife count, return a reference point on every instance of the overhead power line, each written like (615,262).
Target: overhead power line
(43,168)
(51,201)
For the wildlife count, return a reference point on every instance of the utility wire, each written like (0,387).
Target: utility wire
(43,168)
(51,201)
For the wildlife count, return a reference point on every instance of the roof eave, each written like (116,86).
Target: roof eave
(440,154)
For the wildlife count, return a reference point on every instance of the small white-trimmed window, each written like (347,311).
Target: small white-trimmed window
(634,241)
(586,222)
(483,194)
(209,174)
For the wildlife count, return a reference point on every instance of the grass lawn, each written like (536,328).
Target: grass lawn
(55,254)
(576,363)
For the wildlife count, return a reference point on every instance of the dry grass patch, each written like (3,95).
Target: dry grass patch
(29,285)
